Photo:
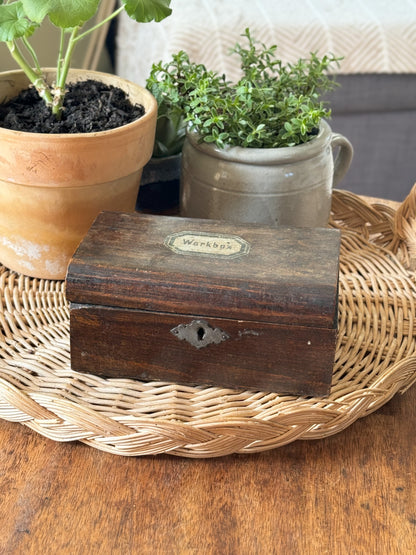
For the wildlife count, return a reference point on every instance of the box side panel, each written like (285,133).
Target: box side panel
(194,350)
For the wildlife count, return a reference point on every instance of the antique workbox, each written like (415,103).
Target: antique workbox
(205,302)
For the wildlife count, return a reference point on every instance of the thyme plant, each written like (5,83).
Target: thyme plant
(272,105)
(171,84)
(19,19)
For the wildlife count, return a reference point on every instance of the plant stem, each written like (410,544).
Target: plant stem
(63,65)
(33,54)
(60,55)
(34,77)
(103,22)
(64,62)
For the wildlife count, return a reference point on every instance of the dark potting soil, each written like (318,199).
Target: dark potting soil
(89,106)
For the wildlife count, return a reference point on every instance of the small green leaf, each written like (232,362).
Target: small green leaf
(63,13)
(144,11)
(13,23)
(272,105)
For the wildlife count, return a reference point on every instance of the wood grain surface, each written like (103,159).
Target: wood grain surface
(287,277)
(138,344)
(275,303)
(353,493)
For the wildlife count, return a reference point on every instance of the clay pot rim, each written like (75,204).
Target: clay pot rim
(260,156)
(150,106)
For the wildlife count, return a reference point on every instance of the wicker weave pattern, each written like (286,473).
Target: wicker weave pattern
(375,359)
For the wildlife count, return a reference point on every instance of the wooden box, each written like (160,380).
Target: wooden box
(205,302)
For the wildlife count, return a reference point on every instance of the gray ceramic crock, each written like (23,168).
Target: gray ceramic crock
(289,186)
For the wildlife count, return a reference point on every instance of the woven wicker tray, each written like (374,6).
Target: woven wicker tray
(375,359)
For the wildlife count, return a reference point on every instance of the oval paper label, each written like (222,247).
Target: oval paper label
(214,245)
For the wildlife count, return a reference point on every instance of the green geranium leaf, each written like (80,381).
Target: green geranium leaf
(144,11)
(13,23)
(62,13)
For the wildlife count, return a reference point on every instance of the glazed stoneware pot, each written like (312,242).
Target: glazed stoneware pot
(52,186)
(289,186)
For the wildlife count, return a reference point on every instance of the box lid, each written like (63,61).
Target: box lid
(208,268)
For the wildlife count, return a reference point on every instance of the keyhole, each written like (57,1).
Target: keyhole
(201,334)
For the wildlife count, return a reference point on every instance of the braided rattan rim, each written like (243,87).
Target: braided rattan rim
(375,359)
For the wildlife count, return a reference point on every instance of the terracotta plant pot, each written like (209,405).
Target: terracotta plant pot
(53,186)
(289,186)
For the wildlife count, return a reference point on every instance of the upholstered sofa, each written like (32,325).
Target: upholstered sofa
(375,106)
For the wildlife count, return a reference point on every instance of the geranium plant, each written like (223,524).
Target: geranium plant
(20,18)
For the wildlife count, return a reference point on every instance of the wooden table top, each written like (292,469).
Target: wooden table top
(352,493)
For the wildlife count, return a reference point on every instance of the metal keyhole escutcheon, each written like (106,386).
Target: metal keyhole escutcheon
(199,333)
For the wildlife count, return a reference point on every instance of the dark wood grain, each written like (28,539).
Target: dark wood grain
(255,355)
(289,276)
(353,493)
(277,303)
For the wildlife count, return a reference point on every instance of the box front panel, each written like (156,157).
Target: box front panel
(194,350)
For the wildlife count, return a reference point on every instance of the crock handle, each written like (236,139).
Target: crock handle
(344,156)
